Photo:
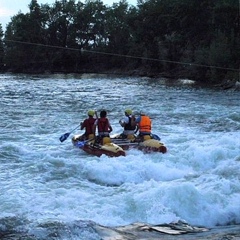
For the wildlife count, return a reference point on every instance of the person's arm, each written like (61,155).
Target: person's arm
(121,122)
(109,127)
(137,121)
(124,121)
(83,125)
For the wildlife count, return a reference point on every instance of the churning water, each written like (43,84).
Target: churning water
(44,181)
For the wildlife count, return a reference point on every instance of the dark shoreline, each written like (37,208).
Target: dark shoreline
(170,80)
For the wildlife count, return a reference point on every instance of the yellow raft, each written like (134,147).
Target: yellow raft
(107,148)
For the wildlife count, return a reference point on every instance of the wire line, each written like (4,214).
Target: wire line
(122,55)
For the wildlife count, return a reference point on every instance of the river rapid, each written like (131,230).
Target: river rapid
(46,183)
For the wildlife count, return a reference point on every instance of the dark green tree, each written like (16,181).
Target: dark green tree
(89,24)
(1,49)
(175,37)
(149,28)
(24,37)
(59,35)
(16,38)
(118,33)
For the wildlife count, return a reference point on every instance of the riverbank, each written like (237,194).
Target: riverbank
(177,231)
(169,78)
(135,231)
(179,79)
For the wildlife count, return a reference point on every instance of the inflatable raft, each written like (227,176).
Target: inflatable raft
(147,144)
(107,148)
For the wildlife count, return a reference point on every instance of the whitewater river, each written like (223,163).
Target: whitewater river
(44,181)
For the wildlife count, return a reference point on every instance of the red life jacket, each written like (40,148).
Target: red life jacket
(103,125)
(88,124)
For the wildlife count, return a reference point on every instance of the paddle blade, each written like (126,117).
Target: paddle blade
(156,137)
(64,137)
(80,144)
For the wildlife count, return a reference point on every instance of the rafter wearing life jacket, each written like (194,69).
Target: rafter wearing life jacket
(88,125)
(128,123)
(103,125)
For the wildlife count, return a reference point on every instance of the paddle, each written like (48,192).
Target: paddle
(156,137)
(129,144)
(66,135)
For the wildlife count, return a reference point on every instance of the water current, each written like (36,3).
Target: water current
(44,181)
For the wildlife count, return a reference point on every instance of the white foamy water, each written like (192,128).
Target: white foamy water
(42,179)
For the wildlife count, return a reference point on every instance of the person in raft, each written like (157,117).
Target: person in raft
(104,127)
(144,126)
(87,124)
(129,125)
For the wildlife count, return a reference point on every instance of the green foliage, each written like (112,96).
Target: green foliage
(1,49)
(178,38)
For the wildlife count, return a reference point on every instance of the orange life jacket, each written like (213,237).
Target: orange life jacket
(145,124)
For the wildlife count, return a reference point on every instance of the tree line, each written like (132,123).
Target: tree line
(173,38)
